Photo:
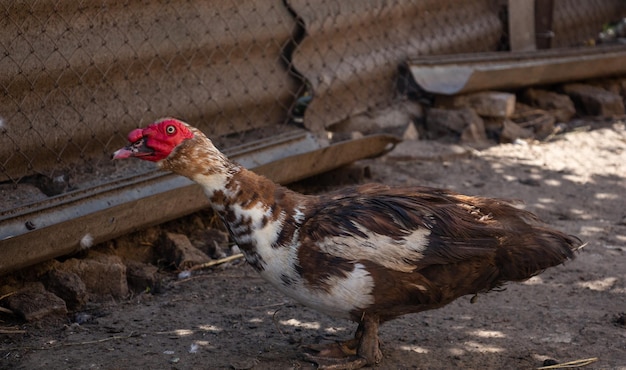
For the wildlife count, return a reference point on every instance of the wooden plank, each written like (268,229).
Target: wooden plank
(457,74)
(522,25)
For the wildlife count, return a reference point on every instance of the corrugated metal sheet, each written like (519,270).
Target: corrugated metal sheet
(75,77)
(576,22)
(352,49)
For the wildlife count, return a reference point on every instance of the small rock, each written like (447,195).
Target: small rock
(493,127)
(614,85)
(544,127)
(212,242)
(512,131)
(484,103)
(138,246)
(101,273)
(559,105)
(595,101)
(142,277)
(493,124)
(68,286)
(426,150)
(392,120)
(540,121)
(177,249)
(33,302)
(410,132)
(475,134)
(550,362)
(443,122)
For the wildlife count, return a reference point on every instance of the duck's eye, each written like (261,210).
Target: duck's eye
(171,130)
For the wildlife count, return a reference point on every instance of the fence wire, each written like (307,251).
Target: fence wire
(76,76)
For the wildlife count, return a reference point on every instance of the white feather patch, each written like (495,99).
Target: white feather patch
(279,265)
(264,235)
(346,294)
(212,183)
(381,249)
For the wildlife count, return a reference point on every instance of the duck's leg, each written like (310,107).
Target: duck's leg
(369,345)
(355,353)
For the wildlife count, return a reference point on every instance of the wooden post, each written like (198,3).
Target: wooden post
(544,10)
(522,25)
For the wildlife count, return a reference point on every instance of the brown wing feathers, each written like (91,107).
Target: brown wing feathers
(461,227)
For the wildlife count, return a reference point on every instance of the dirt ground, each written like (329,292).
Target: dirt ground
(229,318)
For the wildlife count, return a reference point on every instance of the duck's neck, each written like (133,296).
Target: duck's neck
(260,216)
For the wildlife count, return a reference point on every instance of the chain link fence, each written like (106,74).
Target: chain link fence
(578,23)
(76,76)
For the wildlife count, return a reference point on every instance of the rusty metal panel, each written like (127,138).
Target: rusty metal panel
(352,48)
(578,22)
(75,77)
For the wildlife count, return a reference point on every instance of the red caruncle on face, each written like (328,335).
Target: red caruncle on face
(156,141)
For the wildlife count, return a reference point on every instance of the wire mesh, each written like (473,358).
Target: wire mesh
(352,49)
(76,76)
(579,22)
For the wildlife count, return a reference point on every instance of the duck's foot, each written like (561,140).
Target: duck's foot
(347,363)
(355,353)
(335,356)
(337,349)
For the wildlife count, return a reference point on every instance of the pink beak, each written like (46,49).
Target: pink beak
(137,148)
(122,153)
